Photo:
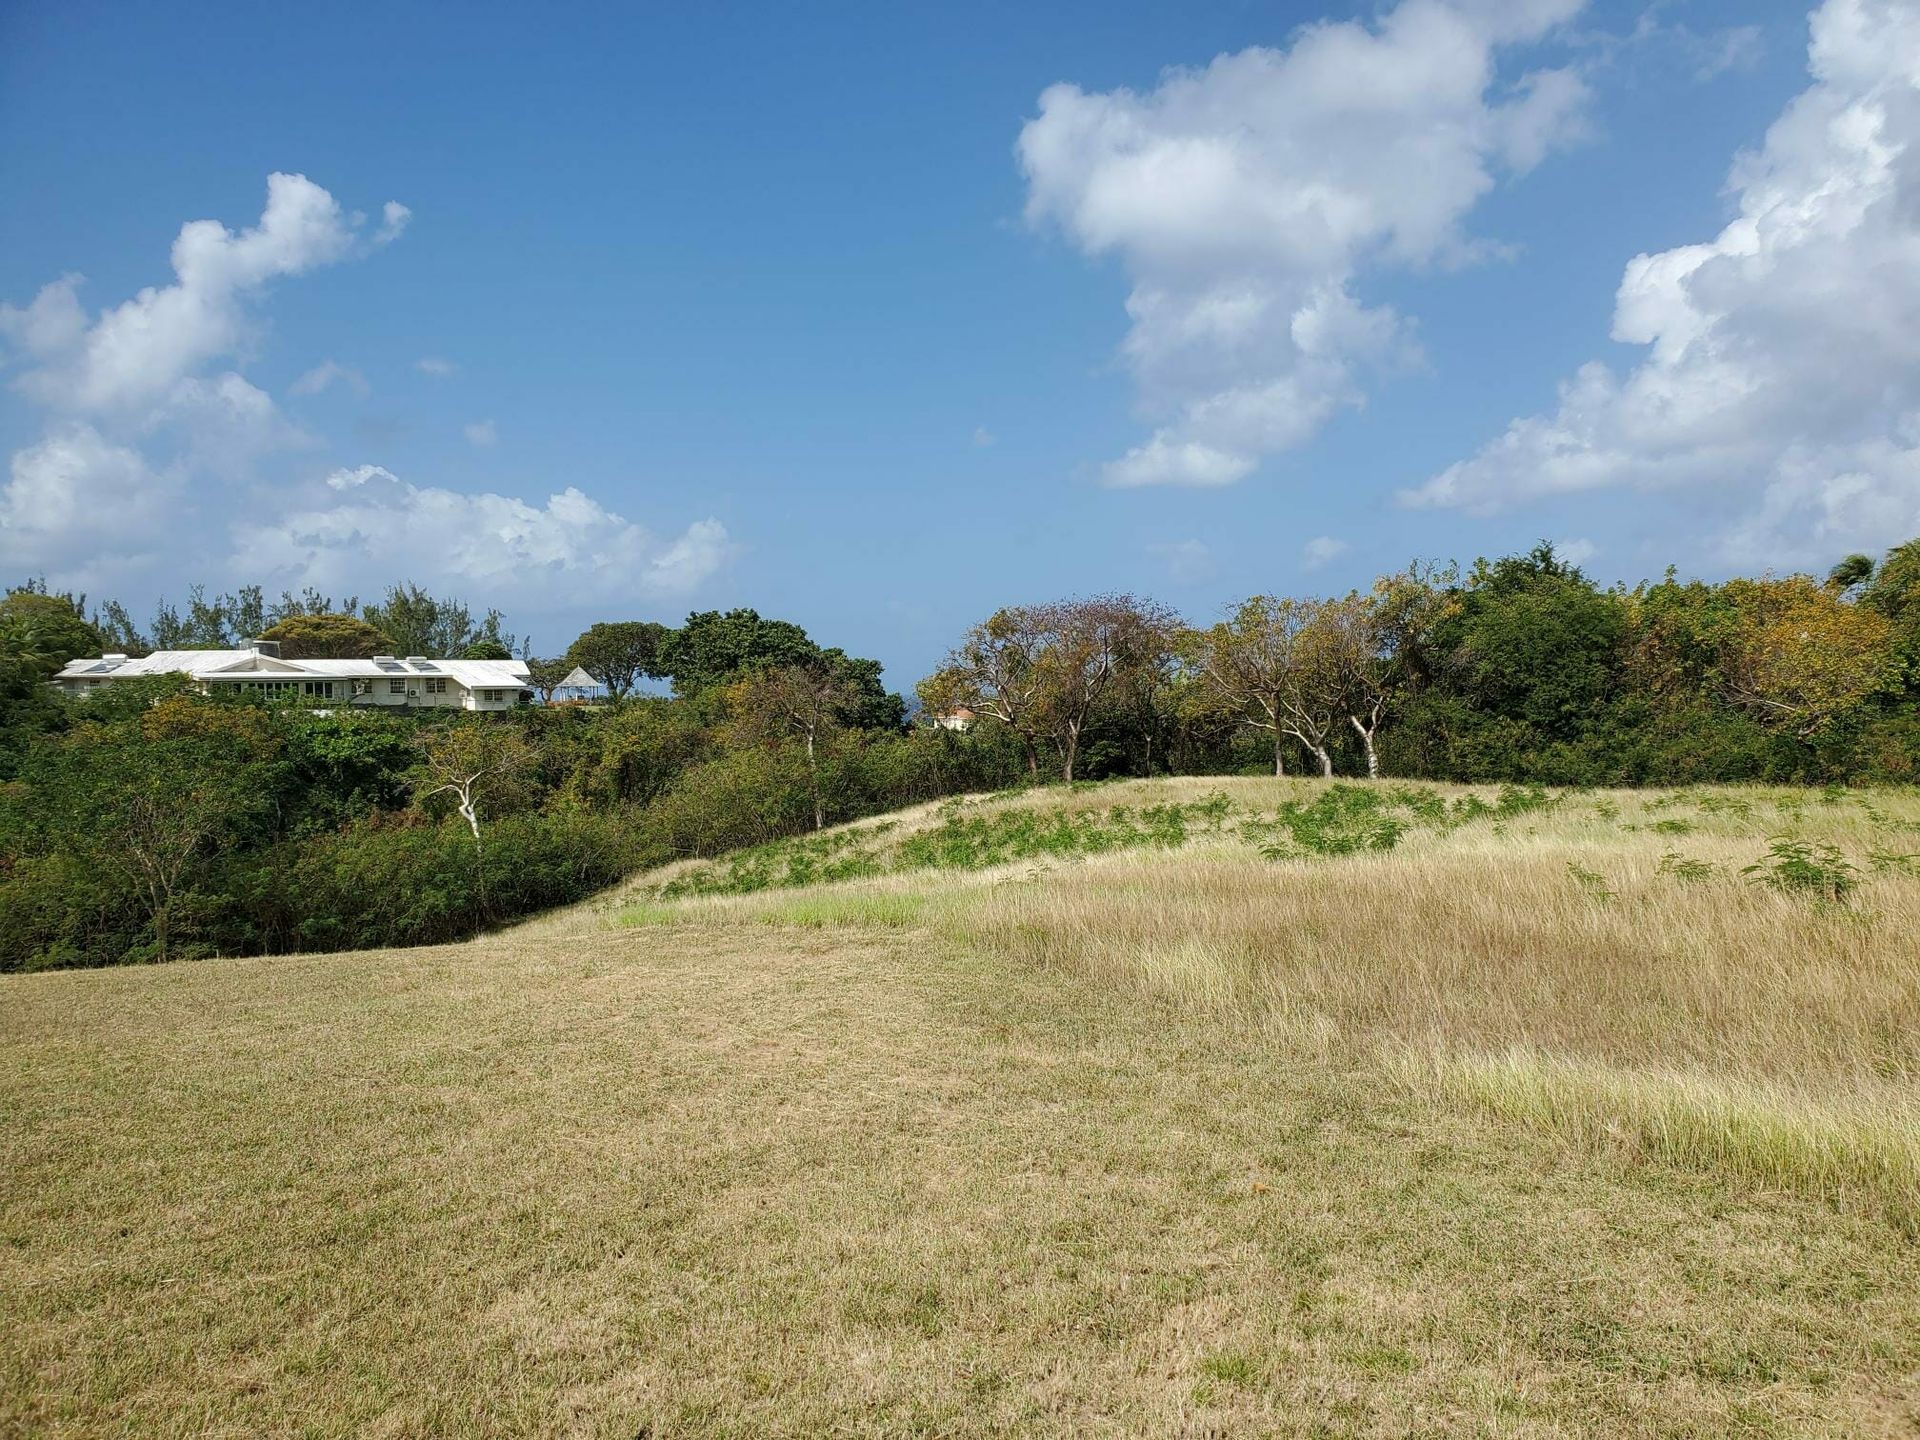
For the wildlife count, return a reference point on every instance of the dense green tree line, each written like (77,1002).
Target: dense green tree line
(1519,669)
(148,821)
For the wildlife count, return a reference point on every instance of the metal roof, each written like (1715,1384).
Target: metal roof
(239,664)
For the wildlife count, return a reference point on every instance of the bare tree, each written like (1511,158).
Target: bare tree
(1043,670)
(1313,697)
(993,673)
(1276,663)
(473,760)
(1377,639)
(1149,677)
(1367,664)
(1085,645)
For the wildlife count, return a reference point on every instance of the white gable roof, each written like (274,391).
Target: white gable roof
(236,664)
(250,663)
(578,679)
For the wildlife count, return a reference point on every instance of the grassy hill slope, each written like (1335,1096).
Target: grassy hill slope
(1164,1108)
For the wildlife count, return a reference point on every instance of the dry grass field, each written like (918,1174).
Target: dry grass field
(1185,1108)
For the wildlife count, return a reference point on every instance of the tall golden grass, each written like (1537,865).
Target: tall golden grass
(1557,970)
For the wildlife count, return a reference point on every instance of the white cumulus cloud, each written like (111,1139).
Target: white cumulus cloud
(1781,374)
(160,462)
(326,375)
(1189,562)
(141,423)
(134,354)
(1322,551)
(1247,198)
(76,490)
(394,218)
(481,434)
(1577,551)
(367,522)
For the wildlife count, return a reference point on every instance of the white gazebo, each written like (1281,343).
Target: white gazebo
(579,686)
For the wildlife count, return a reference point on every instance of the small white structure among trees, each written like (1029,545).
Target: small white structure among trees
(577,686)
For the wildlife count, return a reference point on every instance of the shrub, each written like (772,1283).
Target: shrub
(1591,881)
(373,886)
(1683,868)
(1340,820)
(1801,868)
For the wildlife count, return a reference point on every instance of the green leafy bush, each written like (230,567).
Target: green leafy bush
(1683,868)
(374,886)
(1342,820)
(1800,867)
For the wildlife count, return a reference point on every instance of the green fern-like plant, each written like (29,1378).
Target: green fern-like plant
(1799,867)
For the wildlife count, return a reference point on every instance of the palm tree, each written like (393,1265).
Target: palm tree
(23,643)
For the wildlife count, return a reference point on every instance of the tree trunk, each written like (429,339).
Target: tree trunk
(1325,757)
(813,784)
(1033,759)
(1068,753)
(1279,754)
(472,817)
(162,918)
(1366,739)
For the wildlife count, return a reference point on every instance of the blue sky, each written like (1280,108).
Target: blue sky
(825,311)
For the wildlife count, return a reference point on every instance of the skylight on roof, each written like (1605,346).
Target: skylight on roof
(392,667)
(425,665)
(101,667)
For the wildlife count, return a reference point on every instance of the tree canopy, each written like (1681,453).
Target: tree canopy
(441,628)
(713,649)
(619,653)
(327,637)
(50,627)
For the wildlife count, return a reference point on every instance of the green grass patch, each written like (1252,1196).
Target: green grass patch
(967,837)
(645,914)
(825,911)
(831,912)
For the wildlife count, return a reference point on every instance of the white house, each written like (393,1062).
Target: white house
(385,681)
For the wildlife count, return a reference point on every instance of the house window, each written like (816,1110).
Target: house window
(322,688)
(396,687)
(436,687)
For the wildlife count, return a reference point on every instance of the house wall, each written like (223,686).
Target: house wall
(500,699)
(413,693)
